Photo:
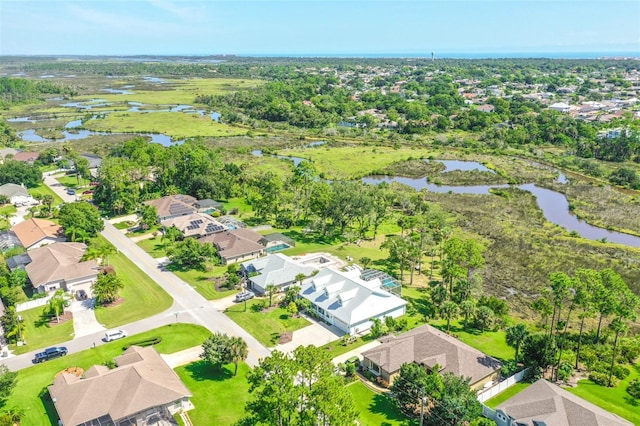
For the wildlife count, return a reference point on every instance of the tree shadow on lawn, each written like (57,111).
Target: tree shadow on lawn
(49,407)
(202,370)
(381,404)
(312,238)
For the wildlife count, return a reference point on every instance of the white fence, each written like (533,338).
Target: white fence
(505,384)
(33,303)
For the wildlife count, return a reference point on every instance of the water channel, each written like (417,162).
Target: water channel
(554,205)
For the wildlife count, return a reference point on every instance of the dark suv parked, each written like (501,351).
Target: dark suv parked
(50,353)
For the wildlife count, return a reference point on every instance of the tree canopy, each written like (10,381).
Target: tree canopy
(80,221)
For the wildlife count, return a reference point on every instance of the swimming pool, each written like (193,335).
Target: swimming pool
(276,248)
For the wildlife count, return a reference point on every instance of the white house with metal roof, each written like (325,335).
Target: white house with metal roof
(276,269)
(345,300)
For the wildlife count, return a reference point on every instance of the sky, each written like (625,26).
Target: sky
(318,27)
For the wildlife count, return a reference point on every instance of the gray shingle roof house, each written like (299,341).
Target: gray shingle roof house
(173,206)
(59,265)
(345,300)
(546,404)
(235,245)
(429,346)
(142,390)
(276,269)
(17,194)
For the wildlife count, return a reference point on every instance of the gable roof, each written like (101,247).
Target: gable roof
(545,402)
(34,230)
(11,190)
(347,297)
(276,269)
(141,381)
(195,224)
(235,243)
(429,346)
(59,261)
(173,205)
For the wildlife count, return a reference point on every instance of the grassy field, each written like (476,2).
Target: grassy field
(615,400)
(264,326)
(32,381)
(39,334)
(376,409)
(174,124)
(506,394)
(142,296)
(219,397)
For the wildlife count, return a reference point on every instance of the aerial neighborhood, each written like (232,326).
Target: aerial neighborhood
(319,241)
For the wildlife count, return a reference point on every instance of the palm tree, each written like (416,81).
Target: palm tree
(467,309)
(271,290)
(484,315)
(238,351)
(449,310)
(515,336)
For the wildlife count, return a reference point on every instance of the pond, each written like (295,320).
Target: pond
(31,136)
(465,166)
(118,91)
(295,160)
(554,206)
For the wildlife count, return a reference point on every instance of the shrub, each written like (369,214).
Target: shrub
(602,379)
(147,342)
(509,368)
(634,388)
(621,372)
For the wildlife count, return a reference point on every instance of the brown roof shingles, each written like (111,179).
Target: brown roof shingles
(429,346)
(59,261)
(173,205)
(34,230)
(235,243)
(141,381)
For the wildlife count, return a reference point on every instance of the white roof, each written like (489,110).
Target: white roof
(276,269)
(349,298)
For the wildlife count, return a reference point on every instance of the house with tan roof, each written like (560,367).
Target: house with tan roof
(546,404)
(430,347)
(173,206)
(345,300)
(195,225)
(33,233)
(26,156)
(141,390)
(60,265)
(236,245)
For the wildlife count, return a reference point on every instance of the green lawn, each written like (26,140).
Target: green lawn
(264,326)
(219,397)
(43,189)
(201,281)
(616,400)
(33,381)
(336,348)
(142,296)
(375,409)
(39,334)
(506,394)
(71,181)
(154,246)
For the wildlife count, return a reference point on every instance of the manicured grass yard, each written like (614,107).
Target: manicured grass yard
(219,397)
(375,409)
(201,281)
(336,348)
(616,400)
(33,381)
(43,189)
(506,394)
(154,246)
(142,296)
(264,326)
(39,334)
(71,181)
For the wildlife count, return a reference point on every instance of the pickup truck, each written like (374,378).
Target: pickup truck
(50,353)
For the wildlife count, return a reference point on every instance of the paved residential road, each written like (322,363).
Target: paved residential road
(188,305)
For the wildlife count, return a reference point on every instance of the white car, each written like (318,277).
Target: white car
(245,295)
(114,335)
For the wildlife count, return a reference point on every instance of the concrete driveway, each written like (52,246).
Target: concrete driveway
(58,188)
(316,334)
(84,318)
(18,217)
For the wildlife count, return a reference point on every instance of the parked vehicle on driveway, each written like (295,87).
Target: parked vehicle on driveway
(50,353)
(71,191)
(114,335)
(245,295)
(81,295)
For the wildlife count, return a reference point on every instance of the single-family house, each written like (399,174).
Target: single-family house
(26,156)
(345,300)
(173,206)
(17,194)
(195,225)
(33,233)
(141,390)
(560,106)
(428,347)
(236,245)
(60,265)
(276,269)
(546,404)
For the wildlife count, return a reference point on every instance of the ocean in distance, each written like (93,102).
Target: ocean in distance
(457,55)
